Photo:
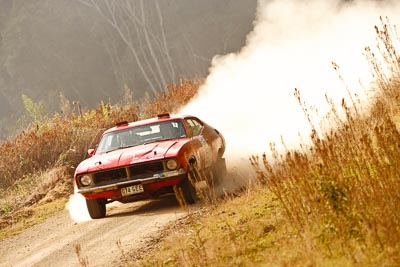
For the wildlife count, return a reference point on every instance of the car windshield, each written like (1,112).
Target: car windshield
(141,135)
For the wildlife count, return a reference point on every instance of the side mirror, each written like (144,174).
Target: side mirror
(90,151)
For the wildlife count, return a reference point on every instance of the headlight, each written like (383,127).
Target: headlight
(86,180)
(172,164)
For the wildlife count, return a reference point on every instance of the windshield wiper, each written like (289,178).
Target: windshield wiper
(152,141)
(121,147)
(111,150)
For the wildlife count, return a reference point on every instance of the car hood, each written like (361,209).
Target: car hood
(131,155)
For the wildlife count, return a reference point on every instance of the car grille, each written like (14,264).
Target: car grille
(135,172)
(146,170)
(111,175)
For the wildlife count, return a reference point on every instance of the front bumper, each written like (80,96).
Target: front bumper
(154,182)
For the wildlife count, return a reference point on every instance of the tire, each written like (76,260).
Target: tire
(187,191)
(219,170)
(96,208)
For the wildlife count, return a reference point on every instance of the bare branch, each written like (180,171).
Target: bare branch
(164,42)
(110,18)
(160,72)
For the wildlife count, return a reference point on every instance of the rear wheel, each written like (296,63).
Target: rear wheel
(219,170)
(96,208)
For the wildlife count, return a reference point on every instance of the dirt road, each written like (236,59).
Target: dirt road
(53,243)
(133,226)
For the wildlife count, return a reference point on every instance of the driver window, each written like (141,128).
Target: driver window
(194,126)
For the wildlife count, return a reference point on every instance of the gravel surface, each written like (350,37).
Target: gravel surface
(102,242)
(127,230)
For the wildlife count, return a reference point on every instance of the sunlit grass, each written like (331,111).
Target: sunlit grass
(27,217)
(250,230)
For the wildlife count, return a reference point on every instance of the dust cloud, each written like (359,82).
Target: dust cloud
(249,95)
(77,207)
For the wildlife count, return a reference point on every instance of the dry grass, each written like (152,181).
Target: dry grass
(83,260)
(26,217)
(250,230)
(222,236)
(175,97)
(33,199)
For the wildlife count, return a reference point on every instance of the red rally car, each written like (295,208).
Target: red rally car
(149,158)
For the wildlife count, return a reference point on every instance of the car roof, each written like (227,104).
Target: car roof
(160,118)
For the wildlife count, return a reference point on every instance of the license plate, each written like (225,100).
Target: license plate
(131,190)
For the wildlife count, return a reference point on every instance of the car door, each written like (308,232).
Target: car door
(203,151)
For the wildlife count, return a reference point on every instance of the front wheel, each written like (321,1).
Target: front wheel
(186,191)
(96,208)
